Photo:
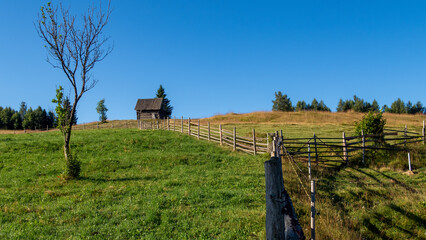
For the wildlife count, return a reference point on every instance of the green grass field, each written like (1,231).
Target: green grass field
(166,185)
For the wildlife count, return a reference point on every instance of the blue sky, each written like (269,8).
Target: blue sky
(228,56)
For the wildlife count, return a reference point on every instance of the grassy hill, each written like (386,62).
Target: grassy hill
(160,184)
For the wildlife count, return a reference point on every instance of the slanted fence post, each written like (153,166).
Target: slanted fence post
(208,128)
(254,142)
(312,209)
(198,132)
(281,221)
(235,139)
(423,132)
(220,134)
(363,146)
(345,149)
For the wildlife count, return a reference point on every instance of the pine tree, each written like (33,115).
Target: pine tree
(167,107)
(282,103)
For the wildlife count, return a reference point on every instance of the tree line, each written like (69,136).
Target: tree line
(283,103)
(28,118)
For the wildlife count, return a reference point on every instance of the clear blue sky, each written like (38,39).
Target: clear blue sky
(228,56)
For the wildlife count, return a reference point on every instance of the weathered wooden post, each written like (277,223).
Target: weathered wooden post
(47,127)
(189,126)
(254,142)
(198,132)
(423,132)
(345,149)
(25,130)
(220,134)
(363,146)
(405,136)
(309,162)
(316,149)
(181,124)
(174,124)
(281,220)
(409,161)
(312,209)
(168,123)
(234,143)
(267,142)
(112,124)
(158,124)
(208,129)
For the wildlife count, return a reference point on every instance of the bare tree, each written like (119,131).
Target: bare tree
(75,47)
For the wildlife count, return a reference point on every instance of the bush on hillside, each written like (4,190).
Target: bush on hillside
(371,123)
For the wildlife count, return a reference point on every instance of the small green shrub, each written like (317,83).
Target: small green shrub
(371,123)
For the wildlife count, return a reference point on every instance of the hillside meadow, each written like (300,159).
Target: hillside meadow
(166,185)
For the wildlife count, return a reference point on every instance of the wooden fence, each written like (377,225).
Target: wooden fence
(251,145)
(326,150)
(320,149)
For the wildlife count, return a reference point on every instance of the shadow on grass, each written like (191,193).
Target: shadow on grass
(419,220)
(92,179)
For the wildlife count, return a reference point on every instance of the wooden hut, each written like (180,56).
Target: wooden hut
(152,108)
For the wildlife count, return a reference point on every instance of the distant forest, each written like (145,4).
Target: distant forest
(27,118)
(283,103)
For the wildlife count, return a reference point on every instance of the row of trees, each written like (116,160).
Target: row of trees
(25,118)
(283,103)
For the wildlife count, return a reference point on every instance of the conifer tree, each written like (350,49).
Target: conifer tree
(167,107)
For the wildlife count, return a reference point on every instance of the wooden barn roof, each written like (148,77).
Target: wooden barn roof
(149,104)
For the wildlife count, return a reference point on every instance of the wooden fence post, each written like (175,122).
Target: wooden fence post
(254,142)
(47,127)
(312,209)
(363,146)
(174,124)
(309,162)
(208,128)
(423,132)
(281,220)
(405,136)
(112,124)
(409,161)
(345,149)
(168,123)
(220,134)
(235,139)
(316,149)
(181,124)
(189,126)
(198,133)
(98,124)
(267,143)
